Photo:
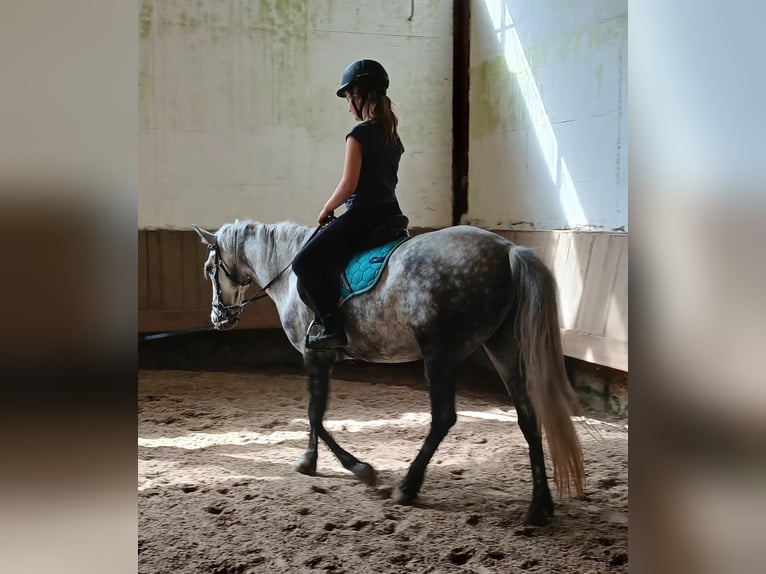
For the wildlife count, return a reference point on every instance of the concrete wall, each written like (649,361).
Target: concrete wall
(548,120)
(238,113)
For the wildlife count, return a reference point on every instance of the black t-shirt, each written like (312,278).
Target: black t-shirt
(380,164)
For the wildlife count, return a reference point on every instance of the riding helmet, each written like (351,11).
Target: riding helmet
(366,73)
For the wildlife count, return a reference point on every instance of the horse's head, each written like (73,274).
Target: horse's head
(228,287)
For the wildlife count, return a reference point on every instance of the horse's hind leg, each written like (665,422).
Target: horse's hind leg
(318,365)
(441,383)
(504,356)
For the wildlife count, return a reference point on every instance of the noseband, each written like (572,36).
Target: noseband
(228,310)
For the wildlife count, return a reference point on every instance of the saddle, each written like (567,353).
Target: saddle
(391,229)
(371,258)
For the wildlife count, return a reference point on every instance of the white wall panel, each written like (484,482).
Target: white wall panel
(548,110)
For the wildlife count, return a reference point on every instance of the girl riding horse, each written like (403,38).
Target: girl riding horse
(368,190)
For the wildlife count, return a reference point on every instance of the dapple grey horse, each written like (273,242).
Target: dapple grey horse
(442,295)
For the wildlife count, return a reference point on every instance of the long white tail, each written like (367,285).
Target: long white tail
(536,327)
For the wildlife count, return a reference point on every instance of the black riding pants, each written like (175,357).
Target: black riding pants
(319,263)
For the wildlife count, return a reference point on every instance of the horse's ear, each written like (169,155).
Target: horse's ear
(207,237)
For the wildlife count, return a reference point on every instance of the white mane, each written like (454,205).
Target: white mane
(277,241)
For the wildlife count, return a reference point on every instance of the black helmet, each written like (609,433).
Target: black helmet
(367,73)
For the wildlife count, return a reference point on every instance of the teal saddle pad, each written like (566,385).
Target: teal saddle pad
(363,271)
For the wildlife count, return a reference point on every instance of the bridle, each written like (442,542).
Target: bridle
(233,311)
(228,310)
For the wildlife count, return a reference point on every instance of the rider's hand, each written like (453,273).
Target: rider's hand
(325,216)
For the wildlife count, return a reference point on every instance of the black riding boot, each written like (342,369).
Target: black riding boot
(332,335)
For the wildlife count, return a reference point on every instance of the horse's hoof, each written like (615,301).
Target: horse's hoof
(538,516)
(305,466)
(365,473)
(400,496)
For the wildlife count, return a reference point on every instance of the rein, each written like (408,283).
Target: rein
(261,290)
(219,264)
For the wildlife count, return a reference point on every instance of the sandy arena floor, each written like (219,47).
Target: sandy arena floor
(217,493)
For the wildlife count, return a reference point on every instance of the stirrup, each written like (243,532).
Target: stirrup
(314,323)
(330,342)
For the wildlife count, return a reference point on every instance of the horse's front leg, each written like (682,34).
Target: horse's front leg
(307,463)
(318,365)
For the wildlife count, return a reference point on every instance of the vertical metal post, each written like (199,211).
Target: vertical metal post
(461,61)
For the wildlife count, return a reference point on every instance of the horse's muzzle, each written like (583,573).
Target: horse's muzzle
(224,322)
